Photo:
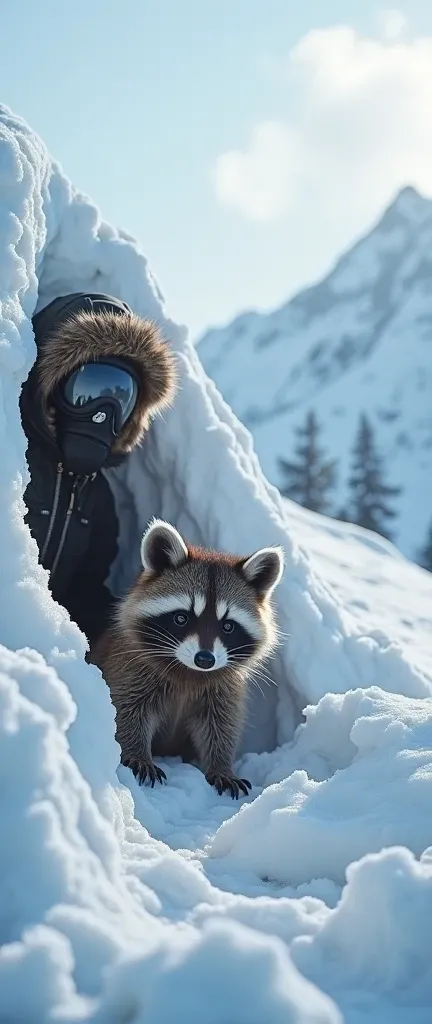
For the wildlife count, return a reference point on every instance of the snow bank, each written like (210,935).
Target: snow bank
(301,828)
(99,921)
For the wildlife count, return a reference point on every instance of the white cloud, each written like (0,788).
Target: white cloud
(362,128)
(261,180)
(392,23)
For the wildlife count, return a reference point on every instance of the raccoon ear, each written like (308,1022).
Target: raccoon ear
(162,547)
(264,569)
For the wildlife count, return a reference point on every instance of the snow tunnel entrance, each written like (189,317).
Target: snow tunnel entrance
(141,490)
(168,477)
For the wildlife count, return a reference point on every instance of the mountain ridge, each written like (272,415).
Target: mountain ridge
(362,332)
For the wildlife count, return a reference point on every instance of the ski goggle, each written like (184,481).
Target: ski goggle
(95,382)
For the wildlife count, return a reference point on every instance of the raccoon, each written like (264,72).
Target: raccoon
(177,656)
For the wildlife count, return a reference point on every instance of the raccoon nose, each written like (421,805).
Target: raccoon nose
(204,659)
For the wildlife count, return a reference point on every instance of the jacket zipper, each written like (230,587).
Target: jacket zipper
(65,528)
(53,515)
(53,511)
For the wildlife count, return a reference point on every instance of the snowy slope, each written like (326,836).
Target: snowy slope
(361,340)
(310,903)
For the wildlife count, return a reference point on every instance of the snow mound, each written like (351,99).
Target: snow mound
(99,920)
(300,829)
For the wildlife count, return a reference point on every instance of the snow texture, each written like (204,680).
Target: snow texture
(309,902)
(358,341)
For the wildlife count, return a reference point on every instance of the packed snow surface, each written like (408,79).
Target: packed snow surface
(358,341)
(310,901)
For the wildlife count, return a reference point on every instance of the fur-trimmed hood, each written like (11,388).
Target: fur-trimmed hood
(82,328)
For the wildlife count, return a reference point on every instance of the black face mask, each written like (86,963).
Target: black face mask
(92,406)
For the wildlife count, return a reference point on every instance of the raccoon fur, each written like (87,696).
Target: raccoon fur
(178,654)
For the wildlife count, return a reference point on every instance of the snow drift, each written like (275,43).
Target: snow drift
(328,914)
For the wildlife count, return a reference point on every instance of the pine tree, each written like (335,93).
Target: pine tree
(425,553)
(310,479)
(369,495)
(342,515)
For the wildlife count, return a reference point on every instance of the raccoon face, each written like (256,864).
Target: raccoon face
(200,611)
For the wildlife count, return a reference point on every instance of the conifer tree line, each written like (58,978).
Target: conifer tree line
(310,479)
(425,554)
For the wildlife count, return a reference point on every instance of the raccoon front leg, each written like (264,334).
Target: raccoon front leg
(215,728)
(135,731)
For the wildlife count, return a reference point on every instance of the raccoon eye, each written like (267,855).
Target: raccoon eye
(228,626)
(180,618)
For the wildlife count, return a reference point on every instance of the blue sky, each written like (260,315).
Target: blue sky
(142,101)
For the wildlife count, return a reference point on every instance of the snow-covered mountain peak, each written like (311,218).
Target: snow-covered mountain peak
(409,205)
(359,340)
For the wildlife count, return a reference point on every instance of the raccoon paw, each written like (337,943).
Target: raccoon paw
(144,770)
(229,783)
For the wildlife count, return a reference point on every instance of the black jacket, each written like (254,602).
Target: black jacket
(75,526)
(73,520)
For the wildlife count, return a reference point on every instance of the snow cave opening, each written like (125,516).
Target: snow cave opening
(143,488)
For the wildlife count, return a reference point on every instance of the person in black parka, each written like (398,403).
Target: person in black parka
(100,374)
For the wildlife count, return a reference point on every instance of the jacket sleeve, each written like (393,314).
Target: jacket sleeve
(89,600)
